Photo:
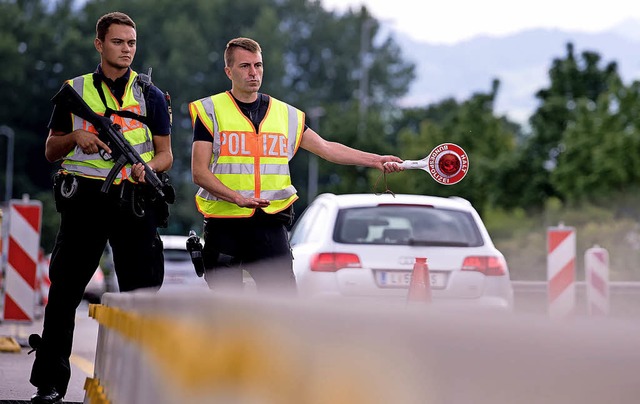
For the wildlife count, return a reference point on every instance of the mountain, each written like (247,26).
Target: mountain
(520,61)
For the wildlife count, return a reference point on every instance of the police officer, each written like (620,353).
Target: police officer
(125,216)
(242,143)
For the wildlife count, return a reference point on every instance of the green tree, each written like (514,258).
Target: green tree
(601,145)
(573,81)
(33,52)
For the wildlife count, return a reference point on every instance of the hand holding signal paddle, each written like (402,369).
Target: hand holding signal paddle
(447,164)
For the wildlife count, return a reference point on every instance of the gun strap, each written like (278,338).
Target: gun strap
(144,81)
(97,83)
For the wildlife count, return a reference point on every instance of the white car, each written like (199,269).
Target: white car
(366,245)
(178,268)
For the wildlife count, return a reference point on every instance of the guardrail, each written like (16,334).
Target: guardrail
(531,297)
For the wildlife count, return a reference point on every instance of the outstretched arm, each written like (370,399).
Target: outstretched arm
(340,154)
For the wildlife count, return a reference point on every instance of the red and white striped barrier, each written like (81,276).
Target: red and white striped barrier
(1,259)
(43,282)
(25,219)
(561,271)
(596,260)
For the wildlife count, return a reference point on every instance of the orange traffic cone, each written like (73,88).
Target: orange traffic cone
(420,285)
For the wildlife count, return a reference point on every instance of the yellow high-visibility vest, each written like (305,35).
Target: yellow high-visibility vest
(253,164)
(134,131)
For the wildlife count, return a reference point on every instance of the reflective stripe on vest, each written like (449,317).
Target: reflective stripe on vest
(254,165)
(134,131)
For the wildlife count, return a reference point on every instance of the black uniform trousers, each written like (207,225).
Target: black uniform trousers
(90,219)
(258,244)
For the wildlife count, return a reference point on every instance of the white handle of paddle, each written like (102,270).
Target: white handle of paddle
(414,164)
(411,164)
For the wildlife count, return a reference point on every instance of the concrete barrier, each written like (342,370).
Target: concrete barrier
(205,347)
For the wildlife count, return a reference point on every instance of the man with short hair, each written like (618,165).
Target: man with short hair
(126,216)
(242,143)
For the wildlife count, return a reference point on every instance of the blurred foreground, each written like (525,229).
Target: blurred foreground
(212,347)
(192,345)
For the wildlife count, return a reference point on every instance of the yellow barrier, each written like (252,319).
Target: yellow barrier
(95,393)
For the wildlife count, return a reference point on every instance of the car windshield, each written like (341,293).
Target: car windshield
(407,225)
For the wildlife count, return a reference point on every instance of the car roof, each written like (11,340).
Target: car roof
(358,200)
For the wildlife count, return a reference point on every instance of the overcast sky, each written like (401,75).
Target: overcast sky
(451,21)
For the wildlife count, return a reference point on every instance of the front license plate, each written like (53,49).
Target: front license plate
(402,279)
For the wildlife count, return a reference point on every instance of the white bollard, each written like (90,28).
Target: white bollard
(596,261)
